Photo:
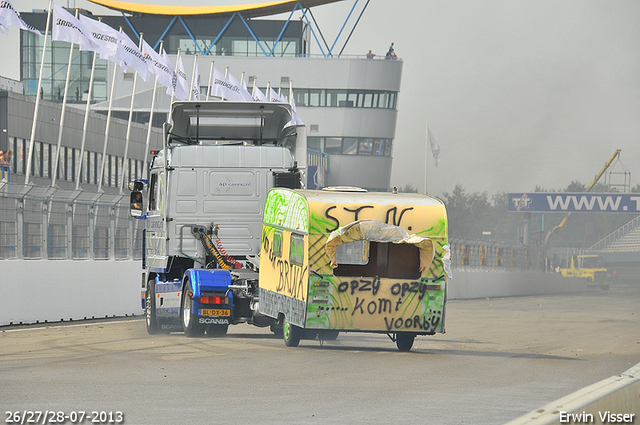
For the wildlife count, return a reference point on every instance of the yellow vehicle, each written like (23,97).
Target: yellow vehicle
(588,266)
(344,259)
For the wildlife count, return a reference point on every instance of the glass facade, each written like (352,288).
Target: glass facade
(55,70)
(351,146)
(44,156)
(344,98)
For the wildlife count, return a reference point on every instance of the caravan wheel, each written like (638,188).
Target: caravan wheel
(292,334)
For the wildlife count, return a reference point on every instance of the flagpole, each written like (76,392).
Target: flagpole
(35,113)
(210,80)
(153,105)
(86,121)
(290,92)
(63,113)
(426,158)
(193,76)
(175,84)
(128,137)
(268,93)
(106,132)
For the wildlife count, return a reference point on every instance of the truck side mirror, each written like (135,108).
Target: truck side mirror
(135,204)
(137,185)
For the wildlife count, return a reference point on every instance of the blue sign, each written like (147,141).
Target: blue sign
(575,202)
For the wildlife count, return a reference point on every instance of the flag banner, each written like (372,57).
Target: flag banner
(243,90)
(67,28)
(158,66)
(295,119)
(3,29)
(257,95)
(104,38)
(275,97)
(222,87)
(133,57)
(180,84)
(435,147)
(195,87)
(9,17)
(167,61)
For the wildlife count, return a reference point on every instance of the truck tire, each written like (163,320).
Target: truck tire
(292,334)
(189,321)
(404,341)
(150,308)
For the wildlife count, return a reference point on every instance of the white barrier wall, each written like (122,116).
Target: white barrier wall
(483,284)
(37,291)
(33,291)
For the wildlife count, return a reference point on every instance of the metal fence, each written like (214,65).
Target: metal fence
(496,256)
(49,223)
(46,223)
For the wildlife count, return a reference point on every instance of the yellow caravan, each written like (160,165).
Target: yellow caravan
(344,259)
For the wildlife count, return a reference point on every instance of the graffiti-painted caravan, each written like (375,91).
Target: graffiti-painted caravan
(345,259)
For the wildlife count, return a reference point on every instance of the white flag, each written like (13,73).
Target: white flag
(3,29)
(180,84)
(67,28)
(295,119)
(224,88)
(132,56)
(104,38)
(195,87)
(158,66)
(257,95)
(9,17)
(243,89)
(167,61)
(275,97)
(435,148)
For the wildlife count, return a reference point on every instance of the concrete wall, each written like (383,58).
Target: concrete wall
(35,291)
(482,284)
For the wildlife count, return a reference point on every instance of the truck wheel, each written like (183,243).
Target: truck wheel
(292,334)
(404,341)
(189,320)
(217,330)
(150,308)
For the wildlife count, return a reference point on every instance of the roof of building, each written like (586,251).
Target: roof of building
(247,10)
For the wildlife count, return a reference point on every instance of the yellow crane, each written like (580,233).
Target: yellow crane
(593,183)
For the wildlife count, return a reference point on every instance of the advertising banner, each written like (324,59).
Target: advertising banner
(564,202)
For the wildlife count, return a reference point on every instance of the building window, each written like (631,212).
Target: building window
(350,146)
(345,98)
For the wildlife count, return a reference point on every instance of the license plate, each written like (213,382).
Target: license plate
(215,312)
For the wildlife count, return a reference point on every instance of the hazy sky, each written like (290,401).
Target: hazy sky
(517,93)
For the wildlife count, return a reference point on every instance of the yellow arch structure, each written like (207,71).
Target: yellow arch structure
(250,10)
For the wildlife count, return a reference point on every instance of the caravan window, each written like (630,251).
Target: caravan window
(296,255)
(277,243)
(390,260)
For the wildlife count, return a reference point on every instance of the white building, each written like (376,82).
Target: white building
(348,103)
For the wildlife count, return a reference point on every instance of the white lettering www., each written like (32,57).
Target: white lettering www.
(560,200)
(584,201)
(609,202)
